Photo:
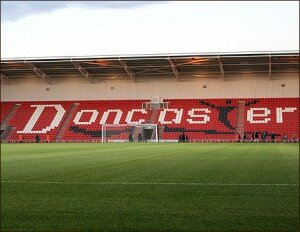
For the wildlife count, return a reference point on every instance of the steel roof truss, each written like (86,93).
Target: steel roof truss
(129,72)
(5,78)
(270,67)
(38,72)
(174,69)
(85,73)
(221,67)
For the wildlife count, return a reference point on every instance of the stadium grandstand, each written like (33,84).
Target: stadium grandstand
(169,142)
(155,116)
(210,97)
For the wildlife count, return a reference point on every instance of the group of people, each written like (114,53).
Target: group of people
(285,138)
(36,138)
(255,137)
(183,138)
(131,137)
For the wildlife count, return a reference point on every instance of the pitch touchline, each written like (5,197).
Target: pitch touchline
(146,183)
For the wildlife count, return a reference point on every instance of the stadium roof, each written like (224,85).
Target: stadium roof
(138,66)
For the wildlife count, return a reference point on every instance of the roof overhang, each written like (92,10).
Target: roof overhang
(164,65)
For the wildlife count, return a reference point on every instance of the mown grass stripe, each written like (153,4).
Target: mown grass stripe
(150,183)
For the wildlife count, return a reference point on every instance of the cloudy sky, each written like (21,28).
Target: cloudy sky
(66,28)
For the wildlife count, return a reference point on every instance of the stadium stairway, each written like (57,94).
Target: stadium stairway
(5,109)
(153,116)
(5,127)
(240,118)
(153,120)
(11,131)
(66,123)
(10,114)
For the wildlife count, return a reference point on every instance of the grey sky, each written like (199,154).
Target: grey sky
(34,29)
(14,10)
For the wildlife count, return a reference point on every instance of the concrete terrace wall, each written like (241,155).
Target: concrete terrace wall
(233,86)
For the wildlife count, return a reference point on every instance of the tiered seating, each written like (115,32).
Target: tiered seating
(93,127)
(39,126)
(211,128)
(5,108)
(288,124)
(200,119)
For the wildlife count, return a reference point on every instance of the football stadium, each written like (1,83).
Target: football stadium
(203,141)
(165,142)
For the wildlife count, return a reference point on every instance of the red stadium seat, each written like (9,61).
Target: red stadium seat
(200,119)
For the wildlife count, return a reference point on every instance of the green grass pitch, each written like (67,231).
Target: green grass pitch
(149,187)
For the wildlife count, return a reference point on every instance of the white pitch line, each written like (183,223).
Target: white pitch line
(149,183)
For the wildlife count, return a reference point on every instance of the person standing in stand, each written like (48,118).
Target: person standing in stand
(253,137)
(294,138)
(245,137)
(37,138)
(20,138)
(183,137)
(272,137)
(237,137)
(256,137)
(180,138)
(284,138)
(264,136)
(48,138)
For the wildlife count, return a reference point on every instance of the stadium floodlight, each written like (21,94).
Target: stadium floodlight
(130,133)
